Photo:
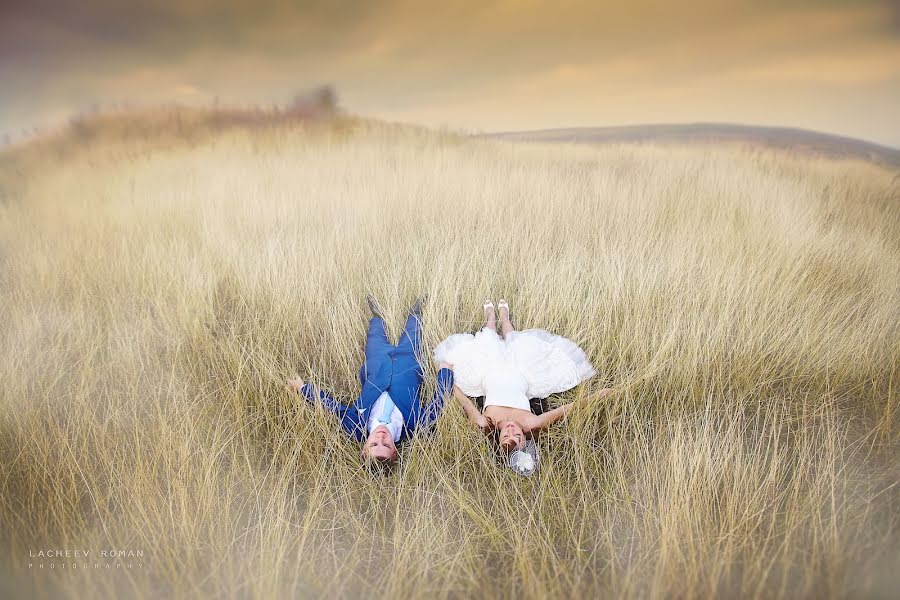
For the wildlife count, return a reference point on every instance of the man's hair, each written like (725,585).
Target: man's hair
(381,468)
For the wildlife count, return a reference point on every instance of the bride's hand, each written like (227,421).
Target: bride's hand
(445,365)
(485,424)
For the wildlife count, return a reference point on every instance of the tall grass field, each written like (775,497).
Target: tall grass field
(160,278)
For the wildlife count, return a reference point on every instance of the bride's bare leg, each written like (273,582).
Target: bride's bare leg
(490,318)
(505,324)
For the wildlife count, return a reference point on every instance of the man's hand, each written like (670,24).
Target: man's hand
(445,365)
(294,384)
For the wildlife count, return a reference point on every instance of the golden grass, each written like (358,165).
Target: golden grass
(158,290)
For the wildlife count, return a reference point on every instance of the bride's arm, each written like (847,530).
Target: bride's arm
(542,421)
(477,419)
(550,417)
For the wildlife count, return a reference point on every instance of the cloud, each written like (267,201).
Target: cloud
(519,63)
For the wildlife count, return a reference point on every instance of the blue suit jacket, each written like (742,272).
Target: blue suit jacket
(402,379)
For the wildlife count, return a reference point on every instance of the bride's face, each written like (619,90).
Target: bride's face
(512,437)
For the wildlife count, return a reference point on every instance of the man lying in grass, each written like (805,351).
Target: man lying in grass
(388,410)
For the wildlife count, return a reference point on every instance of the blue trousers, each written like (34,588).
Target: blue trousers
(397,367)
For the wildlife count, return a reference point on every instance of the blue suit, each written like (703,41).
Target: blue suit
(396,370)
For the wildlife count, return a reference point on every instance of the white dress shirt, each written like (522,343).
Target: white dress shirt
(396,424)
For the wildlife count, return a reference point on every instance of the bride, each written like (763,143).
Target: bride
(509,369)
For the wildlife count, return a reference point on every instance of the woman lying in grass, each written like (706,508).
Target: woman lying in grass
(509,370)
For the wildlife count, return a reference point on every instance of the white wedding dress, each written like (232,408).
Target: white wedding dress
(508,372)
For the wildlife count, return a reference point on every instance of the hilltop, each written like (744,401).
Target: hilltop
(782,138)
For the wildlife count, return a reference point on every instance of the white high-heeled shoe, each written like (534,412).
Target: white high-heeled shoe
(504,304)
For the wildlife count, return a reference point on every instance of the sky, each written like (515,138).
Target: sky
(472,65)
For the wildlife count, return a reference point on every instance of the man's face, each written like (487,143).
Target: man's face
(380,445)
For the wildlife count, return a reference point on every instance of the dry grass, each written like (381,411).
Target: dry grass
(158,290)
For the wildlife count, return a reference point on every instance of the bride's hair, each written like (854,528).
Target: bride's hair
(538,407)
(508,449)
(524,461)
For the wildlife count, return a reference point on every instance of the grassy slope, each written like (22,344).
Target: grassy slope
(160,281)
(800,141)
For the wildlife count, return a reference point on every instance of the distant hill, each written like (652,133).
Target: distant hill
(773,137)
